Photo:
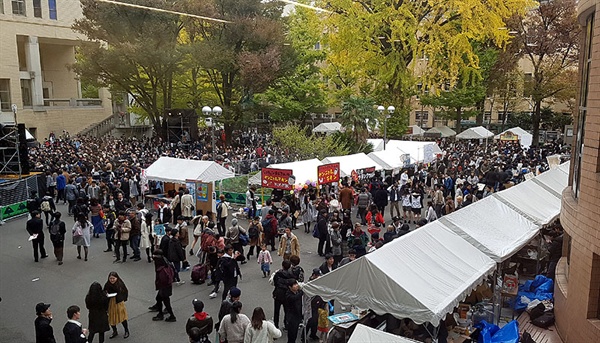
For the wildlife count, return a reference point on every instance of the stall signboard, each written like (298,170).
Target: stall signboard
(509,136)
(364,174)
(328,173)
(202,191)
(405,159)
(277,178)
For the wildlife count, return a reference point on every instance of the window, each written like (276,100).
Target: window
(26,92)
(37,8)
(18,7)
(318,46)
(5,102)
(52,9)
(487,117)
(585,79)
(421,115)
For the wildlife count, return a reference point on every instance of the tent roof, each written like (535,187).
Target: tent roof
(422,275)
(377,143)
(525,137)
(444,130)
(389,159)
(303,171)
(478,132)
(417,130)
(169,169)
(349,163)
(328,127)
(363,333)
(418,151)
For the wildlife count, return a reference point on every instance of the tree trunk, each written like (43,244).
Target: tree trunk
(535,123)
(480,112)
(458,119)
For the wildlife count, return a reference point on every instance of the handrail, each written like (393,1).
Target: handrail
(101,128)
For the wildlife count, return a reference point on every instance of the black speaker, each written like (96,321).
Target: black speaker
(23,151)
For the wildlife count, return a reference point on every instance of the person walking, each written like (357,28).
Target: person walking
(233,237)
(122,229)
(43,330)
(164,285)
(187,204)
(323,232)
(82,235)
(255,235)
(73,331)
(201,321)
(307,211)
(135,234)
(233,326)
(260,330)
(117,312)
(96,302)
(265,260)
(176,254)
(147,236)
(282,279)
(336,242)
(109,224)
(222,213)
(293,310)
(57,230)
(48,207)
(362,203)
(71,195)
(229,270)
(288,245)
(35,228)
(61,183)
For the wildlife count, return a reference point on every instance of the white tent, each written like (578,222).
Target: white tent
(422,275)
(445,131)
(302,170)
(533,201)
(492,227)
(389,159)
(377,143)
(416,130)
(328,128)
(178,170)
(363,334)
(349,163)
(525,137)
(418,151)
(478,132)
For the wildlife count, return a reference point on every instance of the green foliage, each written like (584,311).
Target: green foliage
(303,146)
(553,120)
(520,119)
(346,140)
(454,102)
(357,113)
(397,123)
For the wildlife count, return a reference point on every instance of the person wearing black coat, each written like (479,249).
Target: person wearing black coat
(164,242)
(380,198)
(164,285)
(176,253)
(43,330)
(96,302)
(35,226)
(323,233)
(293,310)
(72,330)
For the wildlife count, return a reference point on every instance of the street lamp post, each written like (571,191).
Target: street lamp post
(390,110)
(206,110)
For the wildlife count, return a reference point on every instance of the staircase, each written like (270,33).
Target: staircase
(101,128)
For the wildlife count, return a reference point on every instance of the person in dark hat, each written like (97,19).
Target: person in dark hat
(234,295)
(201,320)
(164,286)
(43,330)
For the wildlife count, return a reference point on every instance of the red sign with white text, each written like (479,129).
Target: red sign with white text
(328,173)
(277,178)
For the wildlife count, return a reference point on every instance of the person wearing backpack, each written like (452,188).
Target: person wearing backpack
(48,207)
(254,233)
(164,285)
(57,230)
(233,237)
(270,229)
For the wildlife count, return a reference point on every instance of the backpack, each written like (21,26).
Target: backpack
(253,232)
(219,209)
(269,223)
(45,206)
(545,320)
(316,233)
(244,239)
(55,234)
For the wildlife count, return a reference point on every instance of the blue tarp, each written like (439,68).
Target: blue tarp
(540,288)
(491,333)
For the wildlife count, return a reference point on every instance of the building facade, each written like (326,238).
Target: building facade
(37,46)
(577,287)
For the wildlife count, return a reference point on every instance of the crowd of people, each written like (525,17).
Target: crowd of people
(100,181)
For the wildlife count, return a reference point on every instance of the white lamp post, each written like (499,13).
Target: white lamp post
(206,110)
(390,110)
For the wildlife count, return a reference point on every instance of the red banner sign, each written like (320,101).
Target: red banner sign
(328,173)
(277,178)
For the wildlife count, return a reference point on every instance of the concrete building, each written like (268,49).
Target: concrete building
(577,288)
(37,45)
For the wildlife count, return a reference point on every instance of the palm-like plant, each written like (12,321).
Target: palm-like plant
(357,113)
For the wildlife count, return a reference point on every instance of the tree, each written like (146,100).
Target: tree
(294,139)
(358,114)
(549,39)
(131,50)
(378,46)
(454,102)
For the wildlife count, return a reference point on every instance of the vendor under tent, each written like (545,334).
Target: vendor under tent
(525,137)
(418,151)
(443,131)
(328,128)
(422,276)
(416,130)
(390,159)
(363,333)
(376,143)
(478,132)
(349,163)
(303,171)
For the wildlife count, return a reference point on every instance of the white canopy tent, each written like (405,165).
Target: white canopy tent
(445,131)
(478,132)
(525,137)
(389,159)
(422,275)
(349,163)
(533,201)
(418,151)
(416,130)
(328,128)
(377,143)
(363,333)
(302,170)
(178,170)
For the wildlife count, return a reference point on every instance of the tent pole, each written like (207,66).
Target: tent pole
(497,299)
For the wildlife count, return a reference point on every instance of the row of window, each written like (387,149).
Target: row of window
(19,7)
